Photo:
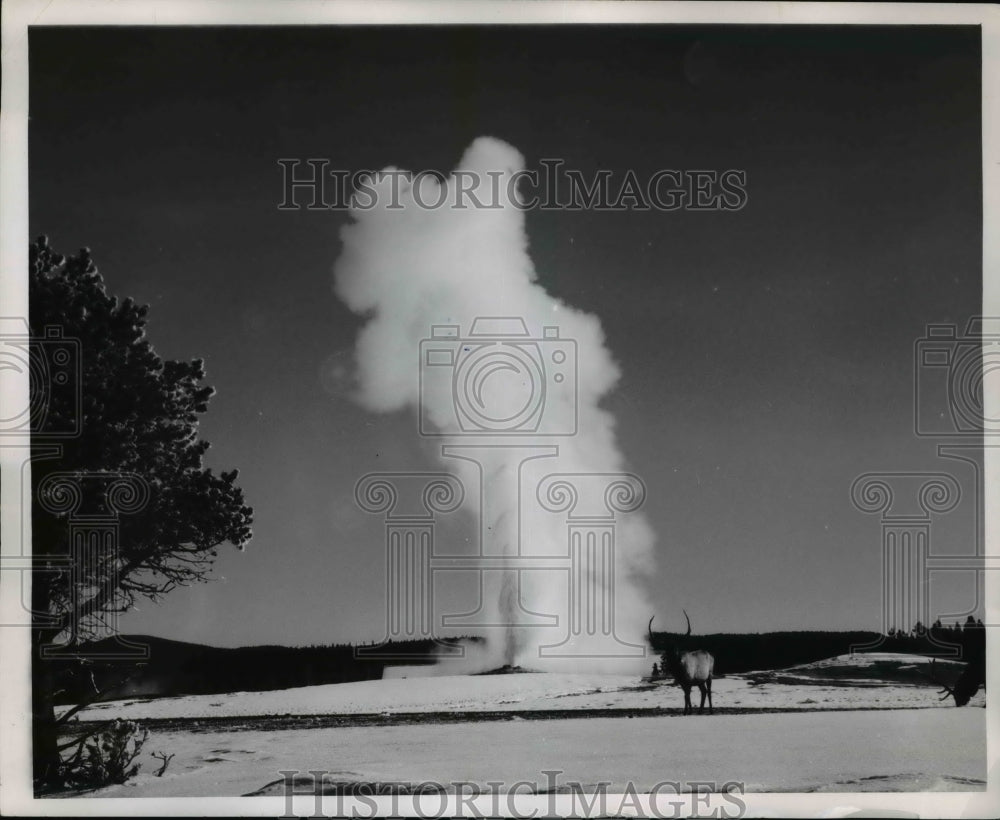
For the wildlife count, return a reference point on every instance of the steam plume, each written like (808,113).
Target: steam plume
(407,268)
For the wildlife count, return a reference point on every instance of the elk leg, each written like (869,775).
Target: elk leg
(688,708)
(708,685)
(701,707)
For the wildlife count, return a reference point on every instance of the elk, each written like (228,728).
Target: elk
(689,669)
(968,683)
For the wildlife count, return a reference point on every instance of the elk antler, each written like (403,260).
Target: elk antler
(649,629)
(688,620)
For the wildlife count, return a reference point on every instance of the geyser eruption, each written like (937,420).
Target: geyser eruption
(507,379)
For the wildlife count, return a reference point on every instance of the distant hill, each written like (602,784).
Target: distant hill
(179,668)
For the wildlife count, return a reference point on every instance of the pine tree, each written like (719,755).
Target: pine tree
(138,415)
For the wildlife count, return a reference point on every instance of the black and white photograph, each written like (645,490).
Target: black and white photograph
(551,409)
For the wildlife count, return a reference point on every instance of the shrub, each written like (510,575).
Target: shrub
(106,757)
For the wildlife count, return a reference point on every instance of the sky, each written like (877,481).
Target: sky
(766,353)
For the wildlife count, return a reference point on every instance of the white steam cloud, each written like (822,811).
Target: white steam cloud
(407,268)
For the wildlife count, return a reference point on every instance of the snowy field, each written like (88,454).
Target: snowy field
(927,750)
(824,738)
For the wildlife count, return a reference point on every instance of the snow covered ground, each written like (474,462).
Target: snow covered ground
(822,741)
(925,750)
